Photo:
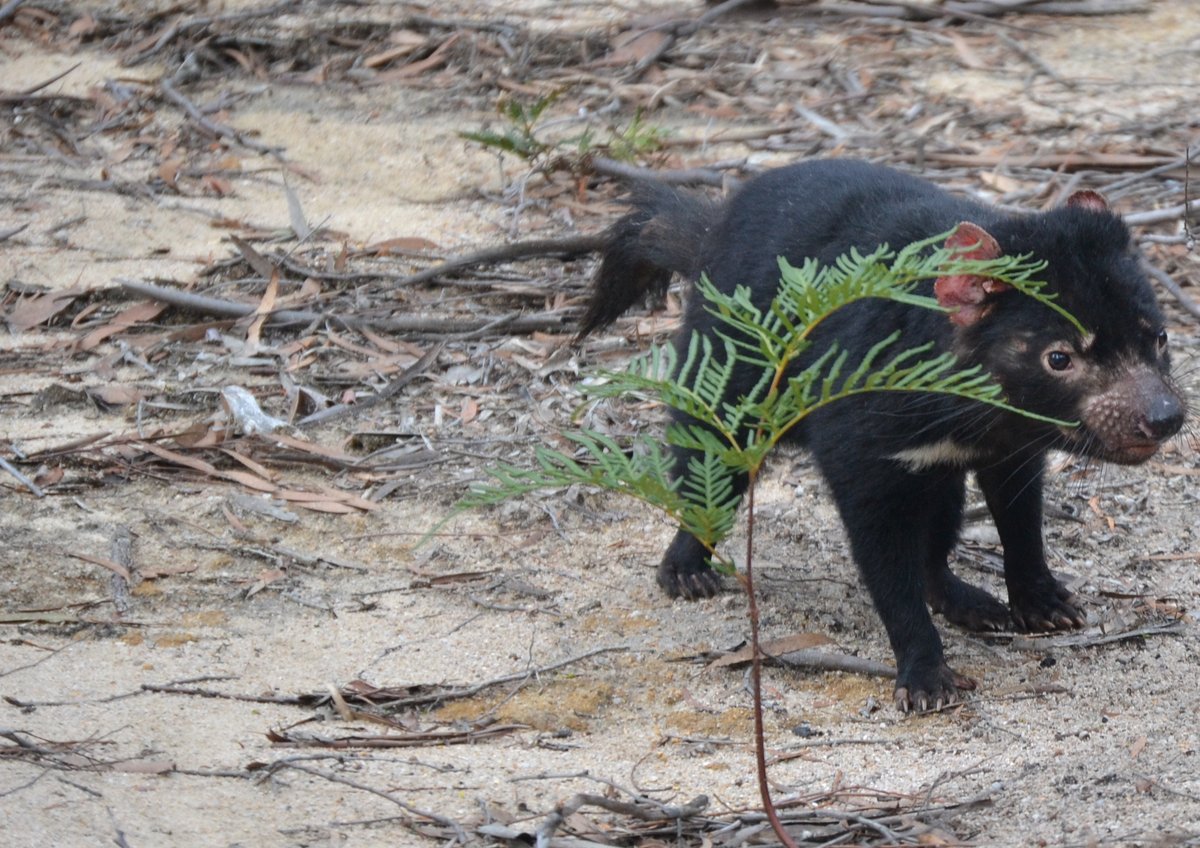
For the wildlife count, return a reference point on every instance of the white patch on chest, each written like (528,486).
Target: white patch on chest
(945,452)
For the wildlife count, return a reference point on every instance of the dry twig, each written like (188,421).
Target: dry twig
(450,824)
(21,478)
(684,29)
(358,407)
(1171,286)
(9,9)
(212,127)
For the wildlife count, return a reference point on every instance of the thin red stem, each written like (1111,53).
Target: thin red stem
(760,744)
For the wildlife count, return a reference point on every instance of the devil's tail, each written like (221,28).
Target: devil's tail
(664,234)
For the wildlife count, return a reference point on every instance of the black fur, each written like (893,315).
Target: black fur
(896,463)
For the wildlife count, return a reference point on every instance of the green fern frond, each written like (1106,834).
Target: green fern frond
(703,439)
(644,473)
(938,375)
(697,386)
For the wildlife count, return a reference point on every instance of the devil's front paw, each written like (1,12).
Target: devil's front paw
(967,606)
(921,690)
(1050,607)
(684,571)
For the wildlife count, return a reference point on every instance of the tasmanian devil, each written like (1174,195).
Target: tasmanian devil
(896,463)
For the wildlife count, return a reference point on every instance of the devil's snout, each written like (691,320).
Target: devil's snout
(1163,416)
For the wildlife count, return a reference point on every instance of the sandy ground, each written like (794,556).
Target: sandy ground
(1068,745)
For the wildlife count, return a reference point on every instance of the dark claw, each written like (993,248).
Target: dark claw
(684,571)
(689,582)
(702,584)
(940,692)
(1048,611)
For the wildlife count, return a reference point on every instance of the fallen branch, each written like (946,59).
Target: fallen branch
(984,9)
(678,176)
(403,739)
(1132,179)
(565,247)
(733,135)
(1052,161)
(194,691)
(1173,287)
(827,661)
(143,689)
(449,693)
(550,321)
(1162,216)
(1091,639)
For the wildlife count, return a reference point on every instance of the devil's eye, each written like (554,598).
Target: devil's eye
(1162,339)
(1058,360)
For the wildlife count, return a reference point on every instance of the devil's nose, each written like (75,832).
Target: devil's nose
(1164,417)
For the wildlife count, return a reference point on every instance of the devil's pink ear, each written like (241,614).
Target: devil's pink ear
(965,294)
(971,241)
(1092,200)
